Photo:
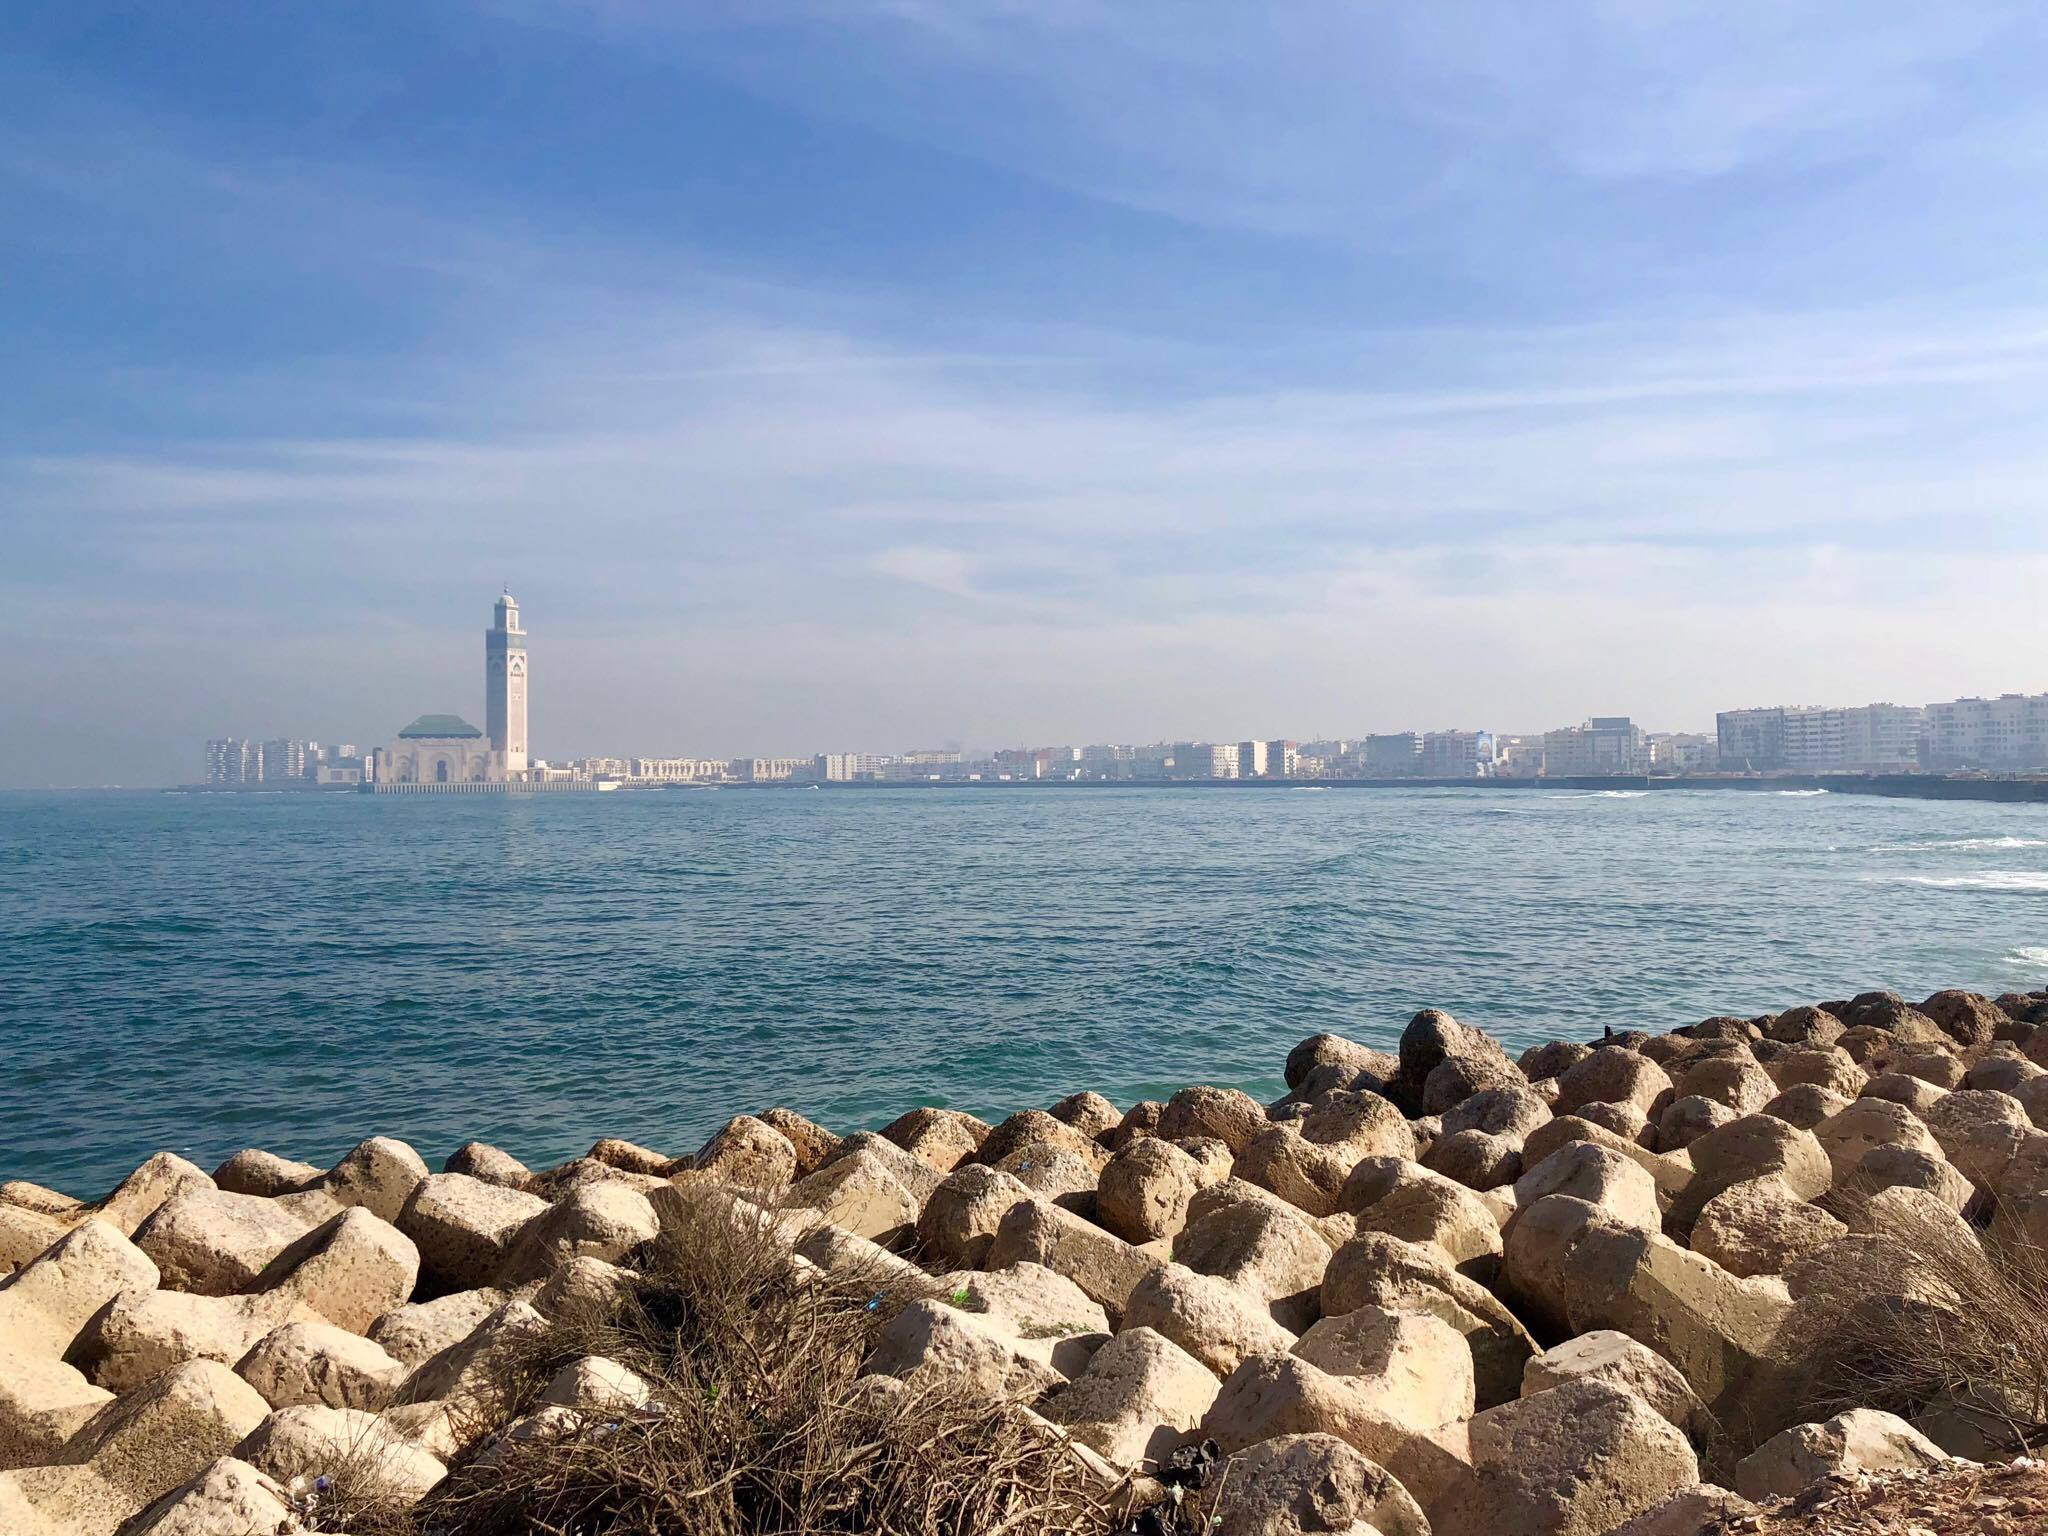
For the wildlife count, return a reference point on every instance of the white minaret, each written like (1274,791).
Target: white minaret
(505,685)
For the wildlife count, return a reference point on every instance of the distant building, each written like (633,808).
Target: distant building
(1517,757)
(229,760)
(1395,756)
(281,761)
(1106,761)
(676,770)
(1251,759)
(1456,754)
(1682,752)
(1816,738)
(446,749)
(1283,759)
(1605,744)
(767,770)
(2004,734)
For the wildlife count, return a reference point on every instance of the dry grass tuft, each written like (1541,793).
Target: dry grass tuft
(1943,1316)
(760,1422)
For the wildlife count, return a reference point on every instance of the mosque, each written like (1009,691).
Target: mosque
(446,752)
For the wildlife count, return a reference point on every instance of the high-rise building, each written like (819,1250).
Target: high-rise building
(282,761)
(1814,738)
(1283,758)
(1391,756)
(2006,733)
(1252,760)
(1456,754)
(1605,744)
(229,760)
(505,685)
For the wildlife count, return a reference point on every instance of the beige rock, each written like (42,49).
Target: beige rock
(1027,1301)
(1056,1173)
(1103,1265)
(1619,1361)
(1145,1188)
(321,1364)
(1910,1168)
(960,1219)
(1967,1018)
(140,1334)
(1089,1113)
(1580,1269)
(1035,1127)
(1861,1440)
(1459,1077)
(1478,1160)
(213,1243)
(595,1384)
(750,1153)
(1424,1207)
(1867,1123)
(1737,1082)
(1831,1069)
(463,1371)
(1751,1148)
(1272,1253)
(379,1174)
(860,1194)
(493,1165)
(1670,1171)
(1937,1065)
(1295,1484)
(1597,1174)
(1334,1050)
(927,1336)
(1214,1321)
(944,1138)
(1685,1120)
(1544,1063)
(21,1194)
(341,1443)
(253,1171)
(1759,1227)
(416,1332)
(26,1235)
(597,1221)
(1612,1076)
(582,1287)
(1576,1460)
(1140,1120)
(1809,1027)
(867,1263)
(1226,1114)
(146,1188)
(45,1304)
(1306,1174)
(1510,1113)
(1917,1094)
(1806,1105)
(1623,1119)
(167,1431)
(351,1269)
(631,1157)
(1411,1366)
(908,1169)
(1139,1398)
(1981,1132)
(227,1498)
(1704,1510)
(43,1402)
(1376,1270)
(464,1229)
(814,1144)
(1272,1395)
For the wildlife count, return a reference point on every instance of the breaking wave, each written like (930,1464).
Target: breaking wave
(2033,955)
(1798,794)
(1985,880)
(1963,843)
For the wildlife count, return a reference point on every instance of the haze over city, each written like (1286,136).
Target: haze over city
(852,378)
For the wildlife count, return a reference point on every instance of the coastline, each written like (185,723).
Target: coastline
(1599,1286)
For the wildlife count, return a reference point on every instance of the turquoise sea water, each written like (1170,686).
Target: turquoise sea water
(203,973)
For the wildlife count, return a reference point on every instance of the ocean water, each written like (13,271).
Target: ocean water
(203,973)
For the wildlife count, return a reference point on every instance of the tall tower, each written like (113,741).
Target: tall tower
(505,684)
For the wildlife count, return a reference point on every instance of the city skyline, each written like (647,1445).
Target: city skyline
(861,374)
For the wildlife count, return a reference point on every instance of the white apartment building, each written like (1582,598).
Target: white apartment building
(1868,738)
(1251,759)
(1283,759)
(2002,734)
(1605,744)
(1456,754)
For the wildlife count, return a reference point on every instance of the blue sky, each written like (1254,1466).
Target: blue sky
(850,376)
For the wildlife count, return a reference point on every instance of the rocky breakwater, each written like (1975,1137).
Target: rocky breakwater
(1653,1284)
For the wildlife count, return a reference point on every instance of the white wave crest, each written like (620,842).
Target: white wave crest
(1972,843)
(1985,880)
(1604,794)
(1798,794)
(2034,956)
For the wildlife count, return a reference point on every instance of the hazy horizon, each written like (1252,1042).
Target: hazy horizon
(858,377)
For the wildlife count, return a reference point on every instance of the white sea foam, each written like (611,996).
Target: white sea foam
(1604,794)
(1313,789)
(1963,843)
(1985,880)
(1799,794)
(2034,956)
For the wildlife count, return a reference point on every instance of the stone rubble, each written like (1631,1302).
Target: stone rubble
(1437,1289)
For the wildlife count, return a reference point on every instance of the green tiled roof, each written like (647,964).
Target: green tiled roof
(440,726)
